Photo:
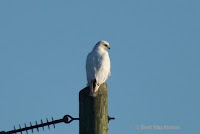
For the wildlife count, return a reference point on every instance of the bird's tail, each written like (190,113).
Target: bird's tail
(94,86)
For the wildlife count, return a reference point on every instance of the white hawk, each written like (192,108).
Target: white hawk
(98,66)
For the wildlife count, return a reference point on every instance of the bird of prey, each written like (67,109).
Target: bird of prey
(98,66)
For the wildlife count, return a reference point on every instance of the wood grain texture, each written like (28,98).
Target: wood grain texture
(93,111)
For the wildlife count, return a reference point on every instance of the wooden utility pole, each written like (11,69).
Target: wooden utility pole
(93,111)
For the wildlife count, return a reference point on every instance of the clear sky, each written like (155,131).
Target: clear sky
(155,52)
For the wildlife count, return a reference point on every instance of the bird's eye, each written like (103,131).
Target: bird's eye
(105,45)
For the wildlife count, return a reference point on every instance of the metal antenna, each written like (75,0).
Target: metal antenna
(66,119)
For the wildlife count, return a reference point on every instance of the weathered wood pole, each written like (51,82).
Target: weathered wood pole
(93,111)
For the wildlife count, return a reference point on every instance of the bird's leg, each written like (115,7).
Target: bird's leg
(94,83)
(93,88)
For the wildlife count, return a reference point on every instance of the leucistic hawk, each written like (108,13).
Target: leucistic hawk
(98,66)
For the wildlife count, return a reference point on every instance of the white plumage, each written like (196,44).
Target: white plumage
(98,66)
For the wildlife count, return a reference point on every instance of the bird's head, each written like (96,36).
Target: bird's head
(102,45)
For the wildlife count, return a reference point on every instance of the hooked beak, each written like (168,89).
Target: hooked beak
(109,48)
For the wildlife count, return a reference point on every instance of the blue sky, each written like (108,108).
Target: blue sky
(154,55)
